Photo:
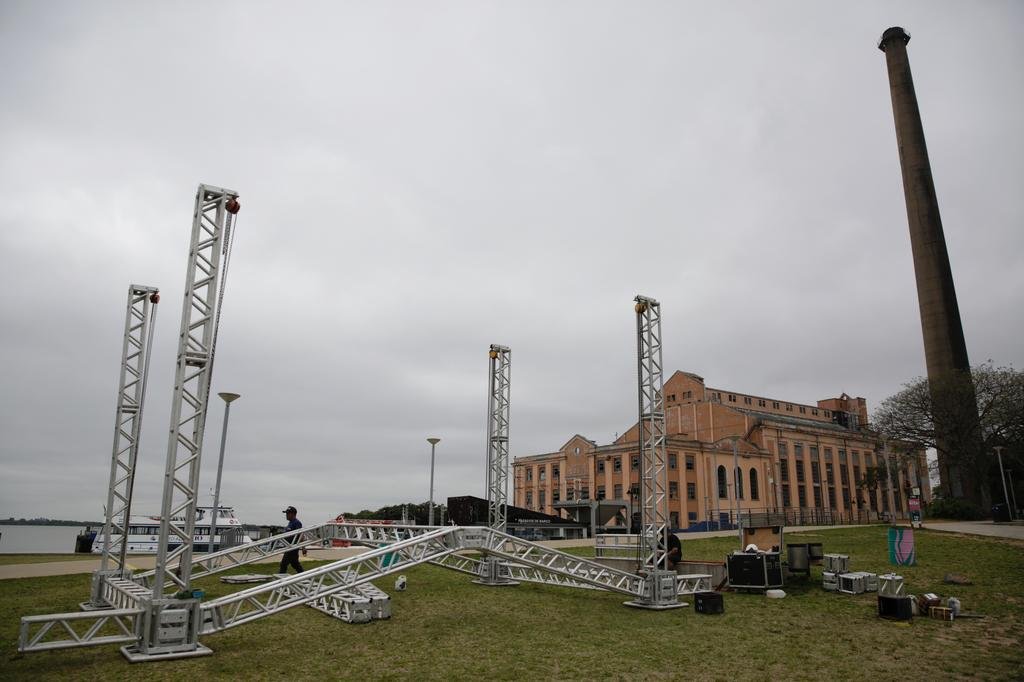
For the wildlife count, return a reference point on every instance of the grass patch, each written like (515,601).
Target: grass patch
(10,559)
(444,627)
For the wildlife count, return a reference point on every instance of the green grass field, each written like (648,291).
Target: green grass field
(444,627)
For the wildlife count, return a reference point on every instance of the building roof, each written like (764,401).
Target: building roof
(808,423)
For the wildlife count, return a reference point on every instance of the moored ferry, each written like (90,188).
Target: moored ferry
(144,533)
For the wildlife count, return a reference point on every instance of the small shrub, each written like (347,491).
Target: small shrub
(952,508)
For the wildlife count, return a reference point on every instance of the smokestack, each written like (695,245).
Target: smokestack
(944,347)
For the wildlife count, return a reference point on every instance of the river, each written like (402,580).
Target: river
(39,539)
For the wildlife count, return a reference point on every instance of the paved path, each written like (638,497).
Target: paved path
(146,562)
(994,530)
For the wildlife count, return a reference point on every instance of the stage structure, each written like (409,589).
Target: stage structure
(139,325)
(492,571)
(661,582)
(153,626)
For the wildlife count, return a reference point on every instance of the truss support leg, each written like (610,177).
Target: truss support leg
(97,600)
(494,572)
(660,592)
(169,629)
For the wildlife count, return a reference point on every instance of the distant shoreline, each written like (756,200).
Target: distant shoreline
(47,522)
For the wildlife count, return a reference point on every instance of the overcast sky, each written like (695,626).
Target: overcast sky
(421,179)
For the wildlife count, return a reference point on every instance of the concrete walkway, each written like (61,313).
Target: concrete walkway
(145,562)
(1012,531)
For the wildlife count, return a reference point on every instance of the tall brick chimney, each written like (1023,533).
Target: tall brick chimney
(944,347)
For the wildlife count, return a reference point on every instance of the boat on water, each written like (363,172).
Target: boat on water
(144,533)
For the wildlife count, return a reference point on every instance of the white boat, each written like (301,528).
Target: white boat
(144,533)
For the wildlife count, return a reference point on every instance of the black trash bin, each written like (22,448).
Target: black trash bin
(84,540)
(1001,512)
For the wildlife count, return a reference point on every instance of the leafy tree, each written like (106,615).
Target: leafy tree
(965,446)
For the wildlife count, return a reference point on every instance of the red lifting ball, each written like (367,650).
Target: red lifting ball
(154,298)
(233,206)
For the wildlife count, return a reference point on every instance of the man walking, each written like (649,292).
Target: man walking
(291,557)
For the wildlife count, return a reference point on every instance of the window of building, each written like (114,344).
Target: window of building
(673,461)
(814,453)
(600,492)
(844,475)
(634,490)
(747,400)
(803,410)
(739,483)
(829,475)
(634,462)
(775,405)
(814,412)
(856,475)
(828,454)
(692,516)
(782,448)
(798,450)
(846,498)
(873,500)
(673,520)
(784,469)
(529,474)
(672,398)
(785,495)
(529,499)
(554,472)
(828,413)
(600,466)
(570,494)
(842,455)
(732,398)
(789,407)
(760,403)
(691,491)
(542,473)
(815,474)
(617,464)
(617,491)
(800,471)
(801,495)
(689,462)
(832,498)
(817,497)
(723,487)
(753,484)
(577,451)
(673,490)
(541,499)
(556,496)
(585,493)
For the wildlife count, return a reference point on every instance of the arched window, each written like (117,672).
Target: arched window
(723,490)
(753,483)
(739,483)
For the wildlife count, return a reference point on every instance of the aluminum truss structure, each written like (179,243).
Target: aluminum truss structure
(208,257)
(497,436)
(653,475)
(139,324)
(336,588)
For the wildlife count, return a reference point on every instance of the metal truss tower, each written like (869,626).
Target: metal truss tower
(492,570)
(170,628)
(497,436)
(139,324)
(651,436)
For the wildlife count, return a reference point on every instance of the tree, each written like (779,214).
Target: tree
(965,448)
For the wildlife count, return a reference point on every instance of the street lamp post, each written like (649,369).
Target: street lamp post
(1013,493)
(228,398)
(433,443)
(1002,477)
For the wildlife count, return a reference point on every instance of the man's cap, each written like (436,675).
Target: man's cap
(290,510)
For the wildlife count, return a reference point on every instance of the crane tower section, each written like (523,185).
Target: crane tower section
(497,436)
(139,324)
(209,253)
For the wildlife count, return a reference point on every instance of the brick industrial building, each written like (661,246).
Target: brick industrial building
(817,463)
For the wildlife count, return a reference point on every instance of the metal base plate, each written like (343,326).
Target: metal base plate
(132,653)
(498,583)
(246,578)
(651,606)
(89,606)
